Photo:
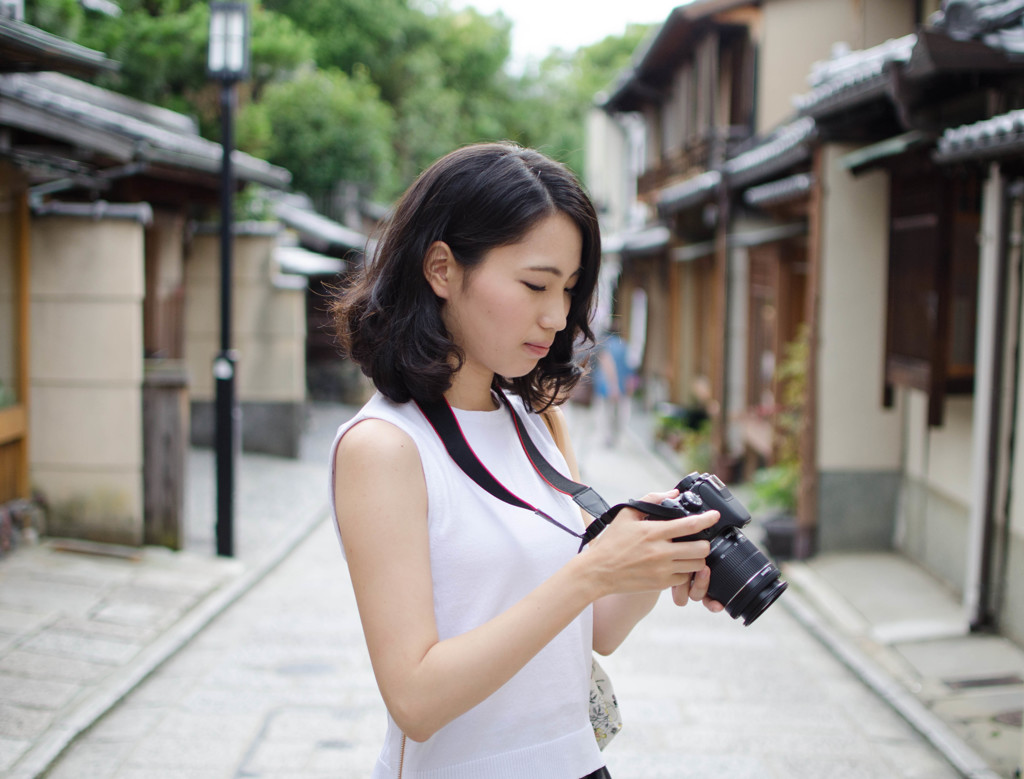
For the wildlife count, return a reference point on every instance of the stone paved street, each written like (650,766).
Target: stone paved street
(279,685)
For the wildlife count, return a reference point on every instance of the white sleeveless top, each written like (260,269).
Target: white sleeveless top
(485,556)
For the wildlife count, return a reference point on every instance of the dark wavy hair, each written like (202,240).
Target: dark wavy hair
(477,198)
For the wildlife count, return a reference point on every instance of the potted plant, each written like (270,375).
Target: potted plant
(775,488)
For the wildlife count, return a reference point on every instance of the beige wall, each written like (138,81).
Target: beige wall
(269,324)
(787,50)
(940,456)
(86,292)
(855,432)
(609,177)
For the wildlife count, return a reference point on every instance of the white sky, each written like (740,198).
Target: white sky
(541,25)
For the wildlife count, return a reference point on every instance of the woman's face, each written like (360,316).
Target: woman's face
(505,312)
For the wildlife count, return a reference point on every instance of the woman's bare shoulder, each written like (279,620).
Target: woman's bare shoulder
(375,445)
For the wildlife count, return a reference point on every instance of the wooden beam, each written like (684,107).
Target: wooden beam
(719,324)
(22,283)
(13,424)
(807,497)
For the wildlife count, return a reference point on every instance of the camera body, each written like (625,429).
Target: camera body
(742,578)
(706,492)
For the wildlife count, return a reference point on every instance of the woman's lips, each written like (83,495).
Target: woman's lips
(540,350)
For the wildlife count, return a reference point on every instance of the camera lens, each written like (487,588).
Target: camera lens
(742,578)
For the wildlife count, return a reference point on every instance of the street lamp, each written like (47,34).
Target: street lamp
(228,63)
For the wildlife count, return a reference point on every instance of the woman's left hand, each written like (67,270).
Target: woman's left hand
(696,589)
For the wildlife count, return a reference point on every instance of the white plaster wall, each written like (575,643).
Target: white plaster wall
(855,432)
(86,293)
(940,456)
(608,176)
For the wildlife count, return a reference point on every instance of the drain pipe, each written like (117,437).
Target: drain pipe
(985,449)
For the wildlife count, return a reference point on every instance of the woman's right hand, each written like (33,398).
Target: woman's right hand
(634,554)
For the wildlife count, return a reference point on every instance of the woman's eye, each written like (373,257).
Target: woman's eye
(534,287)
(570,291)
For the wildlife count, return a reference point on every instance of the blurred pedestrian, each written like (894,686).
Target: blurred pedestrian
(614,381)
(480,617)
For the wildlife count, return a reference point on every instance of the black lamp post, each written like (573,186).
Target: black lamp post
(228,63)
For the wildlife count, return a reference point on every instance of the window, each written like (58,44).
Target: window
(933,278)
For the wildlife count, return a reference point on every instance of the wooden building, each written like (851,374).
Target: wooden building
(881,208)
(101,195)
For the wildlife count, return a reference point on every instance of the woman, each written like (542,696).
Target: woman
(479,617)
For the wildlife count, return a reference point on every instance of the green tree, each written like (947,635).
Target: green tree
(409,79)
(327,126)
(370,34)
(61,17)
(556,93)
(162,46)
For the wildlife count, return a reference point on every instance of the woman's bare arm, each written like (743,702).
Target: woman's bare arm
(426,683)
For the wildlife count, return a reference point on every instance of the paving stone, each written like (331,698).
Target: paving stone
(194,579)
(970,657)
(160,753)
(37,693)
(21,622)
(133,593)
(136,772)
(11,749)
(35,665)
(318,724)
(135,614)
(268,757)
(980,704)
(9,641)
(98,628)
(193,726)
(128,723)
(1000,743)
(92,759)
(99,650)
(19,722)
(46,597)
(279,686)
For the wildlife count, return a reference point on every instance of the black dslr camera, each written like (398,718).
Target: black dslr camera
(742,578)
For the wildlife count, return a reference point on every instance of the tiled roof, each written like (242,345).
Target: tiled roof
(97,120)
(97,209)
(780,191)
(691,192)
(789,145)
(858,71)
(996,23)
(295,260)
(27,48)
(317,230)
(1003,134)
(785,147)
(649,239)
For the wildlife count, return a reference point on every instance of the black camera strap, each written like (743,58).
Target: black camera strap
(441,417)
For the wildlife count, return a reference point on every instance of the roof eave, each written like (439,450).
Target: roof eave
(27,49)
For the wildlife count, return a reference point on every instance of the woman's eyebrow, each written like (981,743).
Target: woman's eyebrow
(554,270)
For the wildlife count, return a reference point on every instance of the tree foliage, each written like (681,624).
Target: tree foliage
(327,126)
(365,91)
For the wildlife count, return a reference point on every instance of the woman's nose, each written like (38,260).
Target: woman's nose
(555,316)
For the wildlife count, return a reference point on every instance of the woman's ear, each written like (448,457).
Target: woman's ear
(440,269)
